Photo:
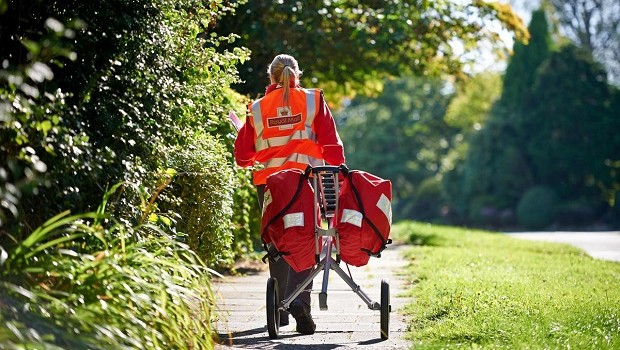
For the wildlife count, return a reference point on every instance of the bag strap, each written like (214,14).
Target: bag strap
(273,257)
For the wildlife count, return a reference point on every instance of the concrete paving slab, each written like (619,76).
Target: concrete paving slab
(347,324)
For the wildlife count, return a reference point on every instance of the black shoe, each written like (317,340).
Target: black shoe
(301,312)
(284,318)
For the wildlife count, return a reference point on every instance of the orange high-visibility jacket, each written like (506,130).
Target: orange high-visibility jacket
(284,137)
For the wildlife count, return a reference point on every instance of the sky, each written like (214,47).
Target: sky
(524,8)
(487,60)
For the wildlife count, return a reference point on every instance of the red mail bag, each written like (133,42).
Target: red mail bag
(364,216)
(288,220)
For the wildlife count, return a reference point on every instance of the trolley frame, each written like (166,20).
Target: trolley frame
(325,182)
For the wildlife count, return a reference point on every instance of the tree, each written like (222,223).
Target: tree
(573,128)
(468,112)
(521,69)
(593,25)
(473,100)
(496,170)
(400,135)
(553,128)
(349,46)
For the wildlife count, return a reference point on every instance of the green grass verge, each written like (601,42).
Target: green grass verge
(478,289)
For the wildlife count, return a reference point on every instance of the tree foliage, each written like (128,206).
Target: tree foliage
(351,46)
(495,152)
(552,127)
(575,141)
(401,135)
(521,69)
(537,207)
(473,100)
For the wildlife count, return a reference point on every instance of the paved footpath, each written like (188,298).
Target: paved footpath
(347,324)
(599,245)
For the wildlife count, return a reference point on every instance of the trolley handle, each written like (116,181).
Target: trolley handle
(324,168)
(327,168)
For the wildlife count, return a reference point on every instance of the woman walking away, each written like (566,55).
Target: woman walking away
(289,128)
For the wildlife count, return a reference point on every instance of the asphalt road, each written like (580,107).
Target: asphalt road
(599,245)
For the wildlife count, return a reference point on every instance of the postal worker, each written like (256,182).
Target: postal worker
(289,127)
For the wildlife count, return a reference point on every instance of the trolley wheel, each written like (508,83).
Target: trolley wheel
(273,311)
(385,309)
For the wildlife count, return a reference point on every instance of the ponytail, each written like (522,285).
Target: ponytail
(286,84)
(284,70)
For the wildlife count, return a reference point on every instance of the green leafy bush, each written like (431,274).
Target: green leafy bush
(31,123)
(201,192)
(89,94)
(428,200)
(246,216)
(482,207)
(88,281)
(131,78)
(537,207)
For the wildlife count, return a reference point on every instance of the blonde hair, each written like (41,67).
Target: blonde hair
(282,69)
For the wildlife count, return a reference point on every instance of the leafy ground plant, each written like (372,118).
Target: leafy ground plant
(89,282)
(480,289)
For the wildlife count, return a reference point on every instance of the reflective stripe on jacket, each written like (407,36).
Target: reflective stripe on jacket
(285,137)
(278,138)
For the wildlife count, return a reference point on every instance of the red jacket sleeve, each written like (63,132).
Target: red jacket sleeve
(244,145)
(327,135)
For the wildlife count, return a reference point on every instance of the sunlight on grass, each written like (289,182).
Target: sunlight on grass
(475,288)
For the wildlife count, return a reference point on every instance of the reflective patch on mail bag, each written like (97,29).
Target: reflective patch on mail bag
(352,217)
(385,206)
(293,219)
